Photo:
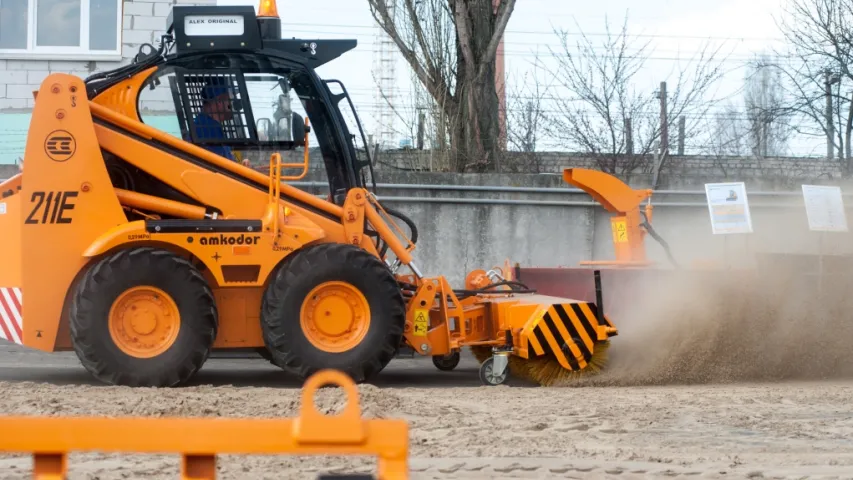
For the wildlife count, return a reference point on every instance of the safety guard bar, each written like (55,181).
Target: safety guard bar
(199,440)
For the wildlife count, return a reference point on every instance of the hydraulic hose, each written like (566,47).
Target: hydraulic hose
(515,287)
(408,221)
(648,226)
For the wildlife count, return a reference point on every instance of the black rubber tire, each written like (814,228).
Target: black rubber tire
(308,268)
(446,363)
(105,280)
(265,354)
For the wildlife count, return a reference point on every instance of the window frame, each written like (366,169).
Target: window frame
(80,53)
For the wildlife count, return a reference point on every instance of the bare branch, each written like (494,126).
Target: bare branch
(503,14)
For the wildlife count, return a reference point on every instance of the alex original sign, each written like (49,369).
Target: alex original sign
(213,25)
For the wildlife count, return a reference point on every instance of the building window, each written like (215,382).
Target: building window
(60,29)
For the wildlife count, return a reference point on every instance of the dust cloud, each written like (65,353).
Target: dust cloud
(773,320)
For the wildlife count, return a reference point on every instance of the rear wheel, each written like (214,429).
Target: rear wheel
(446,363)
(143,317)
(333,306)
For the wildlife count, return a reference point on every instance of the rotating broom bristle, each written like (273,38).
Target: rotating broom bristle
(481,352)
(546,370)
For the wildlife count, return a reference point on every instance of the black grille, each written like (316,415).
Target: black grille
(212,107)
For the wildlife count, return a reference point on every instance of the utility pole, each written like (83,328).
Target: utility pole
(681,129)
(421,119)
(830,126)
(848,134)
(664,137)
(664,121)
(629,137)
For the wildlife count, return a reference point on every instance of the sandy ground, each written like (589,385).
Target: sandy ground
(738,382)
(795,430)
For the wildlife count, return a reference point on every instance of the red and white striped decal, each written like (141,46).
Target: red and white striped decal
(11,320)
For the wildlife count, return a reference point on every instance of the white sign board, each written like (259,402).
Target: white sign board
(824,208)
(728,207)
(3,208)
(213,25)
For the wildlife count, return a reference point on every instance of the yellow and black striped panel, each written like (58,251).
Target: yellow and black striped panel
(593,311)
(568,332)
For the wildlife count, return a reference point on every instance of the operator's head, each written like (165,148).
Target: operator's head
(217,102)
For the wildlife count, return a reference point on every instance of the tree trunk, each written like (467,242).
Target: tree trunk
(468,97)
(848,132)
(476,91)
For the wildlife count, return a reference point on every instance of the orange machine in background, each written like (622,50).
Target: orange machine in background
(631,275)
(618,198)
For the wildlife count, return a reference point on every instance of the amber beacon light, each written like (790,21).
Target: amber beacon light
(268,9)
(268,20)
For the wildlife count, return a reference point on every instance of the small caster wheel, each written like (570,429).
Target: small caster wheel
(446,363)
(488,375)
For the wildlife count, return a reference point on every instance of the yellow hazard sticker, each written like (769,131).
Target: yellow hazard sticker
(421,326)
(620,231)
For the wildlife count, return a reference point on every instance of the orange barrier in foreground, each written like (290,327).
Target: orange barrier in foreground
(199,440)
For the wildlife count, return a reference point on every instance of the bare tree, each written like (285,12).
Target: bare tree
(525,116)
(461,79)
(729,138)
(817,71)
(765,110)
(600,81)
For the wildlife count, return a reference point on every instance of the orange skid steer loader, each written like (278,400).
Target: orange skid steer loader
(142,250)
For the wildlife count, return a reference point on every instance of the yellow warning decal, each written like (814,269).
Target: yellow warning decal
(421,323)
(620,231)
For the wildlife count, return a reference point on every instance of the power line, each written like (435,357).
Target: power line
(573,34)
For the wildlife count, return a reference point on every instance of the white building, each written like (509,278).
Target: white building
(39,37)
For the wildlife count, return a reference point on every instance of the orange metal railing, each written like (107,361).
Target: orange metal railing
(200,440)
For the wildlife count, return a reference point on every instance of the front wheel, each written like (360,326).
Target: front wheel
(143,317)
(333,306)
(488,375)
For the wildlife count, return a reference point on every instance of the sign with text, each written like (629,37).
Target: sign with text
(825,208)
(213,25)
(729,208)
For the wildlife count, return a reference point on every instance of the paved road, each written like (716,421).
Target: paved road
(19,364)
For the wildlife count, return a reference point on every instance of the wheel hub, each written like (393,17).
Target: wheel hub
(144,322)
(335,316)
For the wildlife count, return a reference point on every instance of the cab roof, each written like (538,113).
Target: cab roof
(216,29)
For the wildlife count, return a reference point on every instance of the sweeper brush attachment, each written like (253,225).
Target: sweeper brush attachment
(560,343)
(543,339)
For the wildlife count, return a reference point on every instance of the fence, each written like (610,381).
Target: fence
(199,440)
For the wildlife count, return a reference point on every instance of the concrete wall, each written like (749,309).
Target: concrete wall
(466,229)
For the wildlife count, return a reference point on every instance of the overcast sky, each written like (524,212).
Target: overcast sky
(677,29)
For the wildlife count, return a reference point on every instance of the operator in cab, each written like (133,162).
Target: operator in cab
(216,108)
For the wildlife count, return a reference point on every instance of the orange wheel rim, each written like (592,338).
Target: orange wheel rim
(144,322)
(335,317)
